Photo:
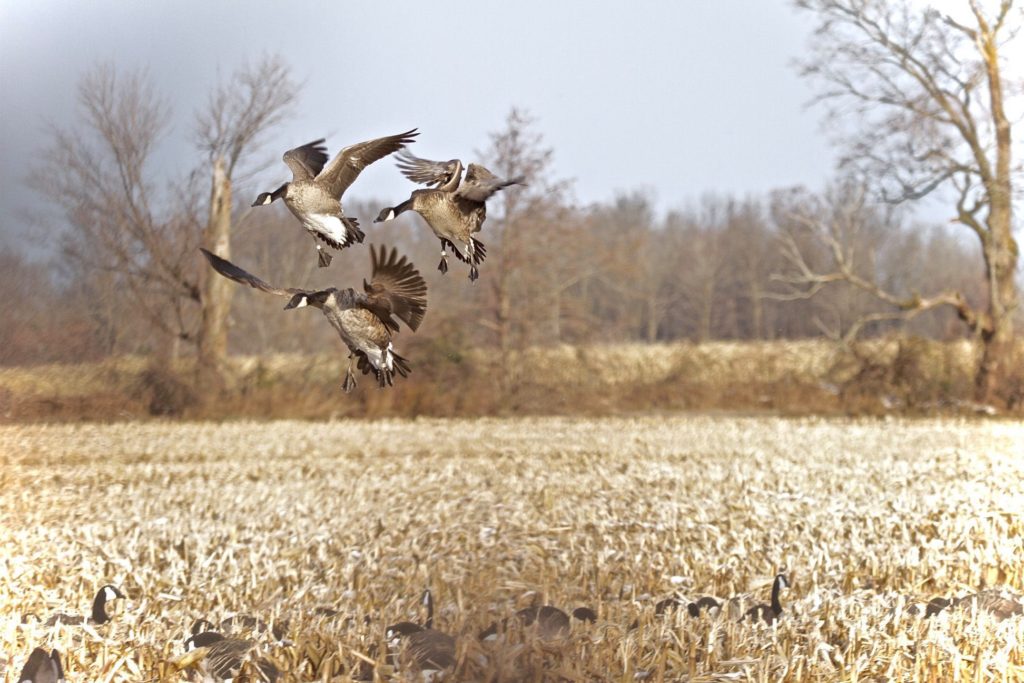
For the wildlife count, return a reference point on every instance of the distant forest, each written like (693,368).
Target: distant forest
(720,268)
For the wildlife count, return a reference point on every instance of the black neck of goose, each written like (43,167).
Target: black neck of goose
(453,181)
(776,588)
(428,600)
(279,192)
(99,608)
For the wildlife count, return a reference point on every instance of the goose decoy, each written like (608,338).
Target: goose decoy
(247,622)
(769,613)
(429,652)
(363,319)
(314,193)
(405,628)
(99,609)
(223,657)
(454,209)
(422,648)
(1000,605)
(42,668)
(551,622)
(705,603)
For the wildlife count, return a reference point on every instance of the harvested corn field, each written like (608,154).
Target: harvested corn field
(334,530)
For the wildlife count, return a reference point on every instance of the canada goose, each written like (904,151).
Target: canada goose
(99,609)
(405,628)
(1000,605)
(422,648)
(314,194)
(42,668)
(453,211)
(551,622)
(701,604)
(246,622)
(430,652)
(769,613)
(223,657)
(363,319)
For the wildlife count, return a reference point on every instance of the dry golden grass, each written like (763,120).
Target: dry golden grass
(206,520)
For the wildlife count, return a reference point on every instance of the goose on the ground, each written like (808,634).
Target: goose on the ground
(998,603)
(222,657)
(42,668)
(455,208)
(314,193)
(551,623)
(99,609)
(422,648)
(404,628)
(769,613)
(364,320)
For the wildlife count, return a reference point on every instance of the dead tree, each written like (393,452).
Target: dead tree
(929,93)
(141,242)
(256,99)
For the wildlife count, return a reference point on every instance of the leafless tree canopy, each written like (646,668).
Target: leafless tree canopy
(255,100)
(928,95)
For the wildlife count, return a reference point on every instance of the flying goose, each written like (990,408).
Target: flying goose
(314,194)
(99,609)
(769,613)
(454,209)
(42,668)
(363,319)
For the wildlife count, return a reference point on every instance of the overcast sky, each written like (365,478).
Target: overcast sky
(675,98)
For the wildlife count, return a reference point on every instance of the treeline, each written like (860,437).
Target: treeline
(719,268)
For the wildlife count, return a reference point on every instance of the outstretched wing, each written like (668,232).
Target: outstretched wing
(395,288)
(233,272)
(480,183)
(424,171)
(350,162)
(306,161)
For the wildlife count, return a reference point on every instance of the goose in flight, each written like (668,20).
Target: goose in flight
(454,207)
(365,320)
(314,193)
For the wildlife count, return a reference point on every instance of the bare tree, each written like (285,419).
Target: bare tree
(133,241)
(525,232)
(100,177)
(930,94)
(257,98)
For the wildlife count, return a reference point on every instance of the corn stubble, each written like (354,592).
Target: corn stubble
(338,527)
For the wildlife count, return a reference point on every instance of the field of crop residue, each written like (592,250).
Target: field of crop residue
(335,529)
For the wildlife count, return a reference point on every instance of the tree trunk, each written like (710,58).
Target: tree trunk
(1000,248)
(217,291)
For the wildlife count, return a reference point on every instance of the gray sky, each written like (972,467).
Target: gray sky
(676,98)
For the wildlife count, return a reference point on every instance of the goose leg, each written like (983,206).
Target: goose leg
(473,273)
(443,265)
(323,257)
(349,383)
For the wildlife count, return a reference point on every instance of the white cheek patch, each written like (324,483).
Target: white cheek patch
(391,215)
(302,302)
(108,593)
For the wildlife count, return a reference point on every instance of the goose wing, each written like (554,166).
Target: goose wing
(480,183)
(424,171)
(346,167)
(306,161)
(395,288)
(233,272)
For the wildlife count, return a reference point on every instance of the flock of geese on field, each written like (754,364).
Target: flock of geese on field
(218,652)
(453,205)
